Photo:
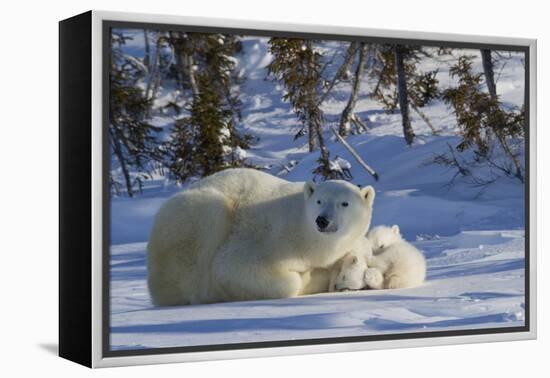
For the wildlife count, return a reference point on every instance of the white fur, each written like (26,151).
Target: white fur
(352,271)
(402,265)
(349,272)
(241,234)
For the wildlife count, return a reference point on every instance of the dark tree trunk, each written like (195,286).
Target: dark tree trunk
(342,71)
(324,153)
(311,134)
(190,67)
(403,95)
(158,74)
(184,61)
(347,114)
(315,119)
(488,70)
(312,108)
(175,38)
(117,149)
(154,74)
(348,62)
(147,57)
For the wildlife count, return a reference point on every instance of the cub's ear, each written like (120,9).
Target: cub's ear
(395,229)
(368,194)
(309,189)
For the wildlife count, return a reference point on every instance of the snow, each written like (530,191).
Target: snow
(343,163)
(339,164)
(472,237)
(240,154)
(467,288)
(224,133)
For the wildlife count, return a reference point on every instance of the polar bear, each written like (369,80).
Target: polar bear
(402,265)
(352,271)
(242,234)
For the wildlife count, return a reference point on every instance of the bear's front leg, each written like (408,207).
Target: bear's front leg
(265,283)
(279,283)
(315,281)
(239,277)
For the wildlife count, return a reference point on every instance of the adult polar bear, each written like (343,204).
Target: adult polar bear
(242,234)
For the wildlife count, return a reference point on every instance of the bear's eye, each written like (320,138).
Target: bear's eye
(318,202)
(345,204)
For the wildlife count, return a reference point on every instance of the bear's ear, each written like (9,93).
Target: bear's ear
(395,229)
(309,188)
(368,194)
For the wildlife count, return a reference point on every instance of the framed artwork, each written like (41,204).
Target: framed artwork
(235,188)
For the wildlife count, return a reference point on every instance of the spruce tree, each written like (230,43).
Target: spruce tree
(197,142)
(347,114)
(488,70)
(184,47)
(401,85)
(482,119)
(403,93)
(132,138)
(206,140)
(298,66)
(159,66)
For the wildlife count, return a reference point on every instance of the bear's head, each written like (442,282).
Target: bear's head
(384,236)
(339,209)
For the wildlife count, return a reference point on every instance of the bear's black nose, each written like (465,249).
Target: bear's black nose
(322,222)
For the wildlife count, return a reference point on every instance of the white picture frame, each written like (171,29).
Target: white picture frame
(92,331)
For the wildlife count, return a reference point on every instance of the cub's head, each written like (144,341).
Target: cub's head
(352,273)
(338,208)
(384,236)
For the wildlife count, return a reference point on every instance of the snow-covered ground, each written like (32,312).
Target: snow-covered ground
(472,237)
(469,286)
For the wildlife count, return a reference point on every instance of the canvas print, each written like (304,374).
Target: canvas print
(274,188)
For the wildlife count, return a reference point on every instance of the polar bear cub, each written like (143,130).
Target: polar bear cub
(352,271)
(402,265)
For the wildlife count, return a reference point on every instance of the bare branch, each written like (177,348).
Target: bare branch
(354,153)
(425,119)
